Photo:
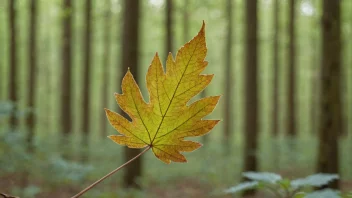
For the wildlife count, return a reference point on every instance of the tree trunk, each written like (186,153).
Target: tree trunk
(169,23)
(13,85)
(106,66)
(186,21)
(291,130)
(275,108)
(330,98)
(349,84)
(315,74)
(87,59)
(228,80)
(130,52)
(251,105)
(2,64)
(30,121)
(32,53)
(66,117)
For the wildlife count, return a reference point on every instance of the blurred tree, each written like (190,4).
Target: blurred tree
(330,98)
(13,85)
(349,79)
(186,21)
(315,64)
(169,24)
(228,79)
(30,121)
(130,50)
(275,110)
(2,65)
(87,58)
(292,130)
(66,115)
(106,65)
(251,90)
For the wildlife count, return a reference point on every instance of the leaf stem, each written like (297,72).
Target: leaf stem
(111,173)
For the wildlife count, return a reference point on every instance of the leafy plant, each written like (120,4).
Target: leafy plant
(164,122)
(285,188)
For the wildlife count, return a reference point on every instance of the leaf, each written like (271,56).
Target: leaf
(316,180)
(327,193)
(167,119)
(347,195)
(263,176)
(299,195)
(241,187)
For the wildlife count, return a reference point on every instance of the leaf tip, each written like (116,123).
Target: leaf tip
(202,29)
(107,110)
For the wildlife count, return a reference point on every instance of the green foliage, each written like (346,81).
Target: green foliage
(316,180)
(5,108)
(28,192)
(280,187)
(328,193)
(242,186)
(12,150)
(263,176)
(64,171)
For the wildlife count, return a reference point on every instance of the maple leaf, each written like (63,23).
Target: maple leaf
(166,120)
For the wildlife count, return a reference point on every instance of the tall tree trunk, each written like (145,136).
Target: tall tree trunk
(87,59)
(130,51)
(32,53)
(291,130)
(275,110)
(349,80)
(30,121)
(330,98)
(251,82)
(106,66)
(228,80)
(13,85)
(66,116)
(315,73)
(169,23)
(2,64)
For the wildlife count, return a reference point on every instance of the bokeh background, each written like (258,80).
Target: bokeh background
(283,68)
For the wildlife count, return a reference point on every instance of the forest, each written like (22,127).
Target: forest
(276,118)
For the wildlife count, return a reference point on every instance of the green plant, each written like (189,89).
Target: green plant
(285,188)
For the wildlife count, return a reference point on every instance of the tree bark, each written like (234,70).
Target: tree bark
(66,69)
(66,116)
(87,59)
(106,66)
(315,74)
(251,82)
(292,130)
(330,98)
(13,84)
(130,52)
(228,80)
(275,110)
(30,121)
(2,64)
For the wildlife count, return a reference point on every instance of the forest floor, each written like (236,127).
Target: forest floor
(208,172)
(181,188)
